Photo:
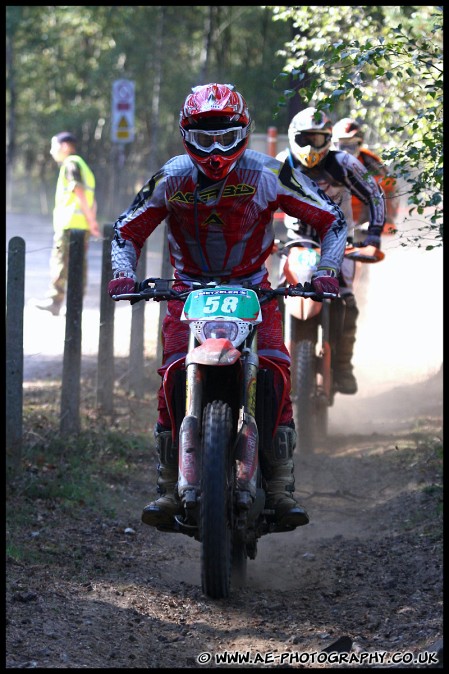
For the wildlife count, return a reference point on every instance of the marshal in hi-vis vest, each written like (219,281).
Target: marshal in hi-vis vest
(67,213)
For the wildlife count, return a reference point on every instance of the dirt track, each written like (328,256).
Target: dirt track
(364,576)
(366,571)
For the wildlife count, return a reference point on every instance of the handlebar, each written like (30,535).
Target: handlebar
(361,253)
(159,289)
(354,251)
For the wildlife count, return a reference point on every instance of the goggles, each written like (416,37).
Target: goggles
(313,138)
(221,139)
(351,146)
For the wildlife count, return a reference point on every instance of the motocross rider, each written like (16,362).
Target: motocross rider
(218,200)
(340,176)
(347,135)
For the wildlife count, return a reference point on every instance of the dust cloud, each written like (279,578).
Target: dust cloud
(399,337)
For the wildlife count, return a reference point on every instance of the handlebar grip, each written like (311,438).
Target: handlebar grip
(307,291)
(147,294)
(127,296)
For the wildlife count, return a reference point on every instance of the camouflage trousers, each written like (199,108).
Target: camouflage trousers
(59,265)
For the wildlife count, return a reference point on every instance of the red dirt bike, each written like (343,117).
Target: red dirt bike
(222,403)
(311,330)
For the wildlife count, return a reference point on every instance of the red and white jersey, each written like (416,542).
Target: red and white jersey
(225,229)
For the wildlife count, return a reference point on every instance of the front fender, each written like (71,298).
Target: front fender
(214,352)
(298,268)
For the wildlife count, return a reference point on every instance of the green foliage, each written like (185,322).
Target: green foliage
(63,60)
(75,470)
(384,67)
(69,475)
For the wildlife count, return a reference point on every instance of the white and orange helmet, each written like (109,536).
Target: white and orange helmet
(310,136)
(215,125)
(348,136)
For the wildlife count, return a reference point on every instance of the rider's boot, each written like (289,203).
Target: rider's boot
(278,471)
(162,510)
(344,380)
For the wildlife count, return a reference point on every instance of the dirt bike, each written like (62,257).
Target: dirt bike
(311,331)
(223,410)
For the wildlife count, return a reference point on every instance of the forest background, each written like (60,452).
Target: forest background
(382,65)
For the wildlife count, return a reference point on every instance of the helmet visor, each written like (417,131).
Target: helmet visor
(313,138)
(220,139)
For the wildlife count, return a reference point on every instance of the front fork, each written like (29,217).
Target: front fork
(247,441)
(326,370)
(189,435)
(317,329)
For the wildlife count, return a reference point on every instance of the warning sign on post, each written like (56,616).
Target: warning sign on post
(122,127)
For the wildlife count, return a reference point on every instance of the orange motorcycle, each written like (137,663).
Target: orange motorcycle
(311,330)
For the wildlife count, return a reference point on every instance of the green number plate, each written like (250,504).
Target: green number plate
(223,302)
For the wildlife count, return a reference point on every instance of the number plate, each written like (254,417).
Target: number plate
(223,302)
(306,257)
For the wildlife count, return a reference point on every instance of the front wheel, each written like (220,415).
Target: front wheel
(216,500)
(305,387)
(321,421)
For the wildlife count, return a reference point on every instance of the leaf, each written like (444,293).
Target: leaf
(281,76)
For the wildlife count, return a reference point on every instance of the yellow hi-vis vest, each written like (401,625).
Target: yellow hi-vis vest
(67,213)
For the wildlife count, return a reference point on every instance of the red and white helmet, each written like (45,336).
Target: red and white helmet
(310,136)
(348,136)
(215,125)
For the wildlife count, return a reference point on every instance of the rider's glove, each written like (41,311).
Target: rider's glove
(325,280)
(124,282)
(373,237)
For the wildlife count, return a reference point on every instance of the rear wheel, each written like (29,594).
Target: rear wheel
(216,500)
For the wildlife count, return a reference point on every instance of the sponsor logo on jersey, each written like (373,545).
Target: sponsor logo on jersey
(212,193)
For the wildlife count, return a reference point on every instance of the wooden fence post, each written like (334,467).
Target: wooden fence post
(106,369)
(15,293)
(71,368)
(166,272)
(136,344)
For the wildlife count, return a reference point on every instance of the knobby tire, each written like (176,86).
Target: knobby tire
(305,395)
(216,505)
